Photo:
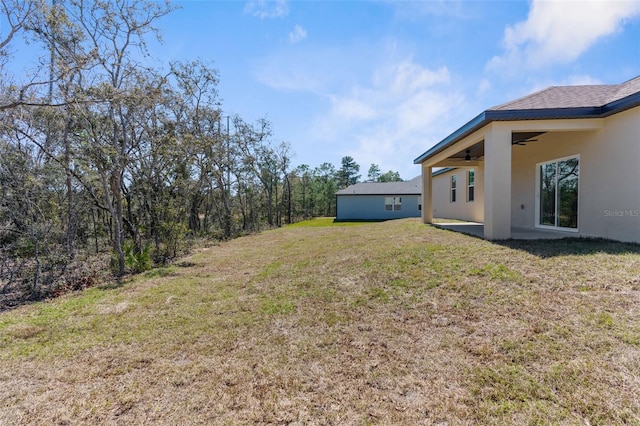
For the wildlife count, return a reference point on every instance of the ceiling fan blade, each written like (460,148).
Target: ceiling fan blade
(523,142)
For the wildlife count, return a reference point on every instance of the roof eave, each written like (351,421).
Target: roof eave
(544,113)
(476,123)
(490,115)
(620,105)
(442,171)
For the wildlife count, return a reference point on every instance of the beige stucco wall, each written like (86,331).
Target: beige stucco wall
(609,191)
(461,209)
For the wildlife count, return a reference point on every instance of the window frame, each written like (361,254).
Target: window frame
(471,186)
(395,204)
(453,187)
(538,194)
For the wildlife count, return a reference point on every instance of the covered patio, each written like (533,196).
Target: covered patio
(487,147)
(561,162)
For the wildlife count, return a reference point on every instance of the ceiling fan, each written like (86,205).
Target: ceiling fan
(522,138)
(523,142)
(466,158)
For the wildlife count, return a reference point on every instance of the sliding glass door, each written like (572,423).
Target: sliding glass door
(558,198)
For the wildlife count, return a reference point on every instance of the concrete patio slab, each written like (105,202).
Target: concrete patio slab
(477,230)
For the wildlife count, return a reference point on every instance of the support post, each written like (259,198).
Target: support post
(427,199)
(497,182)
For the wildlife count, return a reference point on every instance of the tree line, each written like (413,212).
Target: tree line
(105,157)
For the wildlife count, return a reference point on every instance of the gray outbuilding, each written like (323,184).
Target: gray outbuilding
(380,200)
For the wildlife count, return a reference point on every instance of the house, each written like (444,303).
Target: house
(380,200)
(564,159)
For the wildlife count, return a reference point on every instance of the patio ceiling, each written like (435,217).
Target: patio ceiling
(476,151)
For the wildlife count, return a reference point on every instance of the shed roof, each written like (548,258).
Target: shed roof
(410,187)
(555,102)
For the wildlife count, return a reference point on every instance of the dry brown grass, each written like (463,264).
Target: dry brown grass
(383,323)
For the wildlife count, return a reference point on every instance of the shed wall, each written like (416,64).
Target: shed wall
(371,207)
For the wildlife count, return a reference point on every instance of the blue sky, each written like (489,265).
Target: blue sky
(383,81)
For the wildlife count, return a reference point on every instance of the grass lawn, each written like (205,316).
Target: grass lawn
(380,323)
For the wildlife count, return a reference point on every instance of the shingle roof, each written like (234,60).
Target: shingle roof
(410,187)
(561,97)
(573,96)
(553,103)
(629,88)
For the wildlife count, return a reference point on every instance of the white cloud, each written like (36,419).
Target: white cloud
(401,93)
(304,70)
(409,78)
(417,10)
(352,108)
(267,8)
(484,87)
(582,80)
(403,111)
(560,31)
(298,34)
(291,73)
(379,106)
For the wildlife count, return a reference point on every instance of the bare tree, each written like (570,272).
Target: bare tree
(112,29)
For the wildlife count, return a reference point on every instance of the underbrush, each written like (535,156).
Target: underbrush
(28,282)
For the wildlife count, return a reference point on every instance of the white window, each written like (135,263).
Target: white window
(453,188)
(471,183)
(393,203)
